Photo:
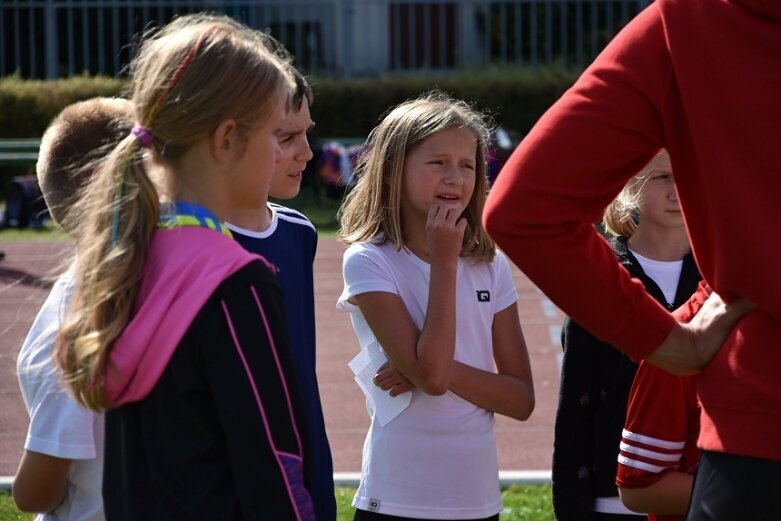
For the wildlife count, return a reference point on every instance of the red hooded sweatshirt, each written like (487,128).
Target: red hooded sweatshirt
(701,78)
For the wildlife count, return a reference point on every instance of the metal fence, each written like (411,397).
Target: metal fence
(54,38)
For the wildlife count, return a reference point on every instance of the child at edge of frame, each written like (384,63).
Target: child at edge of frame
(61,471)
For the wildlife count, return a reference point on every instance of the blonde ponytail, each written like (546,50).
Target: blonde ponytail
(109,269)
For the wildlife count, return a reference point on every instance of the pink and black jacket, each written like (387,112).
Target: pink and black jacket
(207,422)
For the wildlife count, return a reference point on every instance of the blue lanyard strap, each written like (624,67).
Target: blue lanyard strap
(181,214)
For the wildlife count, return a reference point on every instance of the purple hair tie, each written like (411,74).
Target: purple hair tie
(143,135)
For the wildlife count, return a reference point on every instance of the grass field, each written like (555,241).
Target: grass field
(527,503)
(47,234)
(521,503)
(8,511)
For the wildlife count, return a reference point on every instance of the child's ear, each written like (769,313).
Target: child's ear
(225,140)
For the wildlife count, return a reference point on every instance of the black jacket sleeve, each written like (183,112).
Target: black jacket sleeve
(246,358)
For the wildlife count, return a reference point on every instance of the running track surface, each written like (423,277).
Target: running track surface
(30,267)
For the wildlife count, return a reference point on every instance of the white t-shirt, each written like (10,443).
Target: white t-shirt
(59,426)
(437,459)
(665,274)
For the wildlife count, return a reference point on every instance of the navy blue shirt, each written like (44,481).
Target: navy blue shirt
(290,243)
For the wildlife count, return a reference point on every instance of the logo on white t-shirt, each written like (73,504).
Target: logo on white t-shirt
(374,505)
(483,295)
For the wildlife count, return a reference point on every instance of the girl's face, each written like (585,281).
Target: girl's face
(658,203)
(252,171)
(439,170)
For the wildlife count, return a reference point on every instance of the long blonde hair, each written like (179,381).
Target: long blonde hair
(374,205)
(620,216)
(187,78)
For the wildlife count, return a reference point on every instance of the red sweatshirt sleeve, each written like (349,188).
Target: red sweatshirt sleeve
(555,186)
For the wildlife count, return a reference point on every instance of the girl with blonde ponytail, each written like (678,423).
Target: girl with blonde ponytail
(174,329)
(650,241)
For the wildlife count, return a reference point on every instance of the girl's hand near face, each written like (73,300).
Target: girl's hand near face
(445,233)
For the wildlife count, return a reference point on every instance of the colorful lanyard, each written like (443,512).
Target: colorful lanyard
(181,214)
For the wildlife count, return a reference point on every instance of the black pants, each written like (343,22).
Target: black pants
(729,488)
(363,515)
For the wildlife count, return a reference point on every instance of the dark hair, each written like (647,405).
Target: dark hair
(301,90)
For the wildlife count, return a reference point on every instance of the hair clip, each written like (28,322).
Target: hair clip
(143,135)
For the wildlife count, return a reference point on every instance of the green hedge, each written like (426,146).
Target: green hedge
(350,108)
(515,98)
(27,106)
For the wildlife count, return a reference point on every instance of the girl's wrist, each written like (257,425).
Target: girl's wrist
(444,261)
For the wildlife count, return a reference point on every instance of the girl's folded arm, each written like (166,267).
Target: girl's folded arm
(510,391)
(425,358)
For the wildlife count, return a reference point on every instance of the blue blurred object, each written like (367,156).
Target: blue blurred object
(503,142)
(24,206)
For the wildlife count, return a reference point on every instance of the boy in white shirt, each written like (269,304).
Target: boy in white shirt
(61,472)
